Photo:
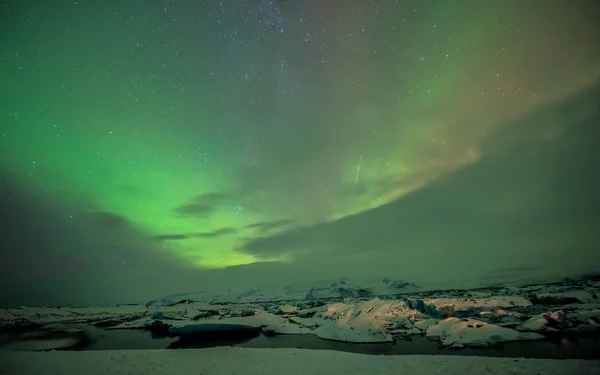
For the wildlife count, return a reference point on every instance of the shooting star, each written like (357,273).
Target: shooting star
(358,169)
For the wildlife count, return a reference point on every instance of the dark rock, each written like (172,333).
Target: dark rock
(556,317)
(17,325)
(306,314)
(552,300)
(50,338)
(287,310)
(420,306)
(401,284)
(182,302)
(446,311)
(593,277)
(339,291)
(269,332)
(205,314)
(159,329)
(313,303)
(586,328)
(247,312)
(160,316)
(273,309)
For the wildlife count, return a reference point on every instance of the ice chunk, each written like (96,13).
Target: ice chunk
(470,332)
(354,328)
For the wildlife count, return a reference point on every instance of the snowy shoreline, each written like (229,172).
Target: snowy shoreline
(274,361)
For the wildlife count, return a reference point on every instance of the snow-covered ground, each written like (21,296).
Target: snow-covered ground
(353,313)
(274,361)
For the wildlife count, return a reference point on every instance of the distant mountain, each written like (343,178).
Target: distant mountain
(326,290)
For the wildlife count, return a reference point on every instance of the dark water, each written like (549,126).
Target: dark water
(572,347)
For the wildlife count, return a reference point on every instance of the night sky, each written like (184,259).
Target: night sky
(153,147)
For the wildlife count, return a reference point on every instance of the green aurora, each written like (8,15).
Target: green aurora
(206,125)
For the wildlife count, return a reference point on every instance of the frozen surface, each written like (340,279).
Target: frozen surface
(274,362)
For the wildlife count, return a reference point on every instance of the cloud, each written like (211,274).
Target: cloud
(108,220)
(171,237)
(266,226)
(55,252)
(216,233)
(202,205)
(531,201)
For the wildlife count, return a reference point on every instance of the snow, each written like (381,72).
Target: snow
(274,362)
(275,323)
(424,324)
(375,307)
(288,309)
(457,332)
(537,323)
(310,323)
(360,327)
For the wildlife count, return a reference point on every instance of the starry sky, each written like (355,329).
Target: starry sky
(153,147)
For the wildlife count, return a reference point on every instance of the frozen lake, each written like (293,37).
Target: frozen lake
(566,347)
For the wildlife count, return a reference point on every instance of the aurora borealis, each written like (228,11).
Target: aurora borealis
(149,138)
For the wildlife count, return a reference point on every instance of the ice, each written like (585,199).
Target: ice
(462,304)
(288,309)
(360,327)
(578,295)
(470,332)
(537,323)
(270,322)
(424,324)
